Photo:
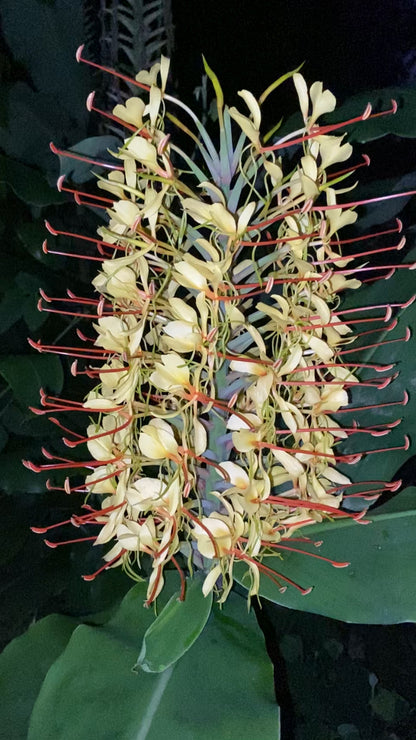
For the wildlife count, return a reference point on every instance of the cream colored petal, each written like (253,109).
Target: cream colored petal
(211,580)
(302,91)
(289,462)
(253,107)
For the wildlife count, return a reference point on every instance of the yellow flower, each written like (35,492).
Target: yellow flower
(157,440)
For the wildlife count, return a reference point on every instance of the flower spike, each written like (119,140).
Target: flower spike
(218,348)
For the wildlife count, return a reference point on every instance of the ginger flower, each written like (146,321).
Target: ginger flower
(218,347)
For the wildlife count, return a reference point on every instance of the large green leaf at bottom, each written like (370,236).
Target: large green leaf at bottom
(378,587)
(23,666)
(222,687)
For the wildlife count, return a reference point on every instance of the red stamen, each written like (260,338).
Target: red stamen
(109,433)
(320,130)
(334,563)
(314,506)
(370,252)
(206,530)
(349,459)
(269,572)
(281,240)
(91,107)
(397,230)
(109,70)
(384,329)
(82,237)
(53,545)
(60,186)
(182,577)
(155,587)
(46,250)
(354,203)
(351,409)
(328,365)
(377,344)
(366,163)
(333,325)
(406,304)
(91,576)
(82,158)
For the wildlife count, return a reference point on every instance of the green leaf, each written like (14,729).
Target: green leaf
(27,183)
(23,666)
(378,585)
(25,374)
(10,309)
(49,52)
(184,619)
(222,687)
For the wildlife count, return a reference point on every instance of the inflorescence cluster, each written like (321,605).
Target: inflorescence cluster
(220,354)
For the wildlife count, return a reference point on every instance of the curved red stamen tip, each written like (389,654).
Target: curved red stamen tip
(335,564)
(395,485)
(67,486)
(74,368)
(53,148)
(367,159)
(78,55)
(39,530)
(90,101)
(69,443)
(59,183)
(406,442)
(50,544)
(45,246)
(306,591)
(78,200)
(31,466)
(50,228)
(352,459)
(367,111)
(412,266)
(39,305)
(405,399)
(89,578)
(399,225)
(35,345)
(45,296)
(385,383)
(401,243)
(381,368)
(393,106)
(408,334)
(47,454)
(393,424)
(409,302)
(36,411)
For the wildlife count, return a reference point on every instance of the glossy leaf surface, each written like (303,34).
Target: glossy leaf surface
(221,687)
